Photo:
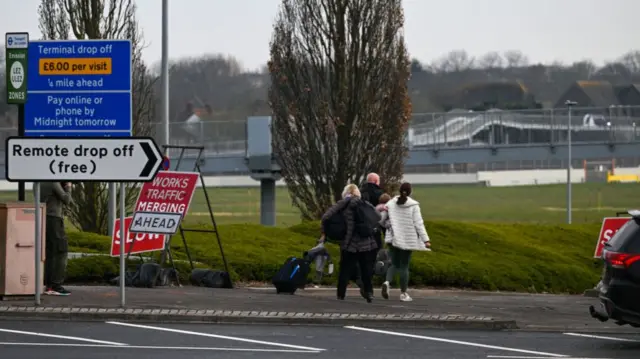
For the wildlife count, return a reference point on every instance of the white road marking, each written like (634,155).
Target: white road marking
(188,332)
(518,357)
(459,342)
(73,345)
(600,337)
(61,337)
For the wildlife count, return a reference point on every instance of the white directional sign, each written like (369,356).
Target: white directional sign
(124,159)
(155,222)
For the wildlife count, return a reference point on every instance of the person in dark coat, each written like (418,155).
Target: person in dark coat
(371,192)
(354,250)
(56,195)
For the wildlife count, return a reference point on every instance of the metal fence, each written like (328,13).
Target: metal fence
(455,128)
(467,128)
(218,137)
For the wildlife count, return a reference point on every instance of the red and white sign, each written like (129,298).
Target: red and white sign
(142,242)
(169,192)
(610,225)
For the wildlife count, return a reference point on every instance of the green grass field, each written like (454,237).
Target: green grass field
(546,203)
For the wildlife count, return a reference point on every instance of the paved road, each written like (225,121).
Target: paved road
(530,311)
(76,340)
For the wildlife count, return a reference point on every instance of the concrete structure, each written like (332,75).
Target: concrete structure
(262,163)
(485,178)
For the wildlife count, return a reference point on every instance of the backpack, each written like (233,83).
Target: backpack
(366,218)
(335,227)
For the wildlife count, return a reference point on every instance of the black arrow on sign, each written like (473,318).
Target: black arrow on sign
(152,159)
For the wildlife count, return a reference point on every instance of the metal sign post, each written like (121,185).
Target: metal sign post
(569,104)
(38,240)
(123,269)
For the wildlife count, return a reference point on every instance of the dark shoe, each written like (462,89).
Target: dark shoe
(341,297)
(362,293)
(369,298)
(60,291)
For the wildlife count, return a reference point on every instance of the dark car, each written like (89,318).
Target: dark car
(620,285)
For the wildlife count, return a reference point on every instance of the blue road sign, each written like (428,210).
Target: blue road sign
(79,88)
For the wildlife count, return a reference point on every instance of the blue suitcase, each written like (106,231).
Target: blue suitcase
(291,276)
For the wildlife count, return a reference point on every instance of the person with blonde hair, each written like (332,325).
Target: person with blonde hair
(356,249)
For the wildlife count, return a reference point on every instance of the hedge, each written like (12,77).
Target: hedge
(507,257)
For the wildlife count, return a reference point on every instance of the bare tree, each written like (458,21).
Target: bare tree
(209,79)
(104,19)
(416,66)
(339,72)
(583,69)
(455,61)
(631,61)
(614,70)
(53,20)
(491,60)
(515,58)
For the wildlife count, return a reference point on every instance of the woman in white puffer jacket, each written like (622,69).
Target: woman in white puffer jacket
(407,234)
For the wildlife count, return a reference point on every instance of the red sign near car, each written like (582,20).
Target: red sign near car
(610,225)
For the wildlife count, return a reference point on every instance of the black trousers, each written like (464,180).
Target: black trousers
(56,250)
(357,275)
(349,264)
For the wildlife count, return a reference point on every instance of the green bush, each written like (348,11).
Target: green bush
(508,257)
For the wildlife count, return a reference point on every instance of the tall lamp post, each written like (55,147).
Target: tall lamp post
(164,64)
(570,105)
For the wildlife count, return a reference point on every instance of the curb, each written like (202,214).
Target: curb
(415,320)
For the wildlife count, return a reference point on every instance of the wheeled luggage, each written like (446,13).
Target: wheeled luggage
(291,276)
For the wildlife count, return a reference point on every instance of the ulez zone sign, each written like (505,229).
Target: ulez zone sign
(16,49)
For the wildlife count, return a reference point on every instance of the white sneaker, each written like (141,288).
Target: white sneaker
(404,297)
(385,290)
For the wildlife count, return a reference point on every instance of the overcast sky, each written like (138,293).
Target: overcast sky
(545,30)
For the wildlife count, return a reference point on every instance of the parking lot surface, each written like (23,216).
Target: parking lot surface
(69,340)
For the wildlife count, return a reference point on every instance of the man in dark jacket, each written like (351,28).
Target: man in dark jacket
(56,195)
(371,192)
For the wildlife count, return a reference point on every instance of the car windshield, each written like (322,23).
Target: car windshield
(629,232)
